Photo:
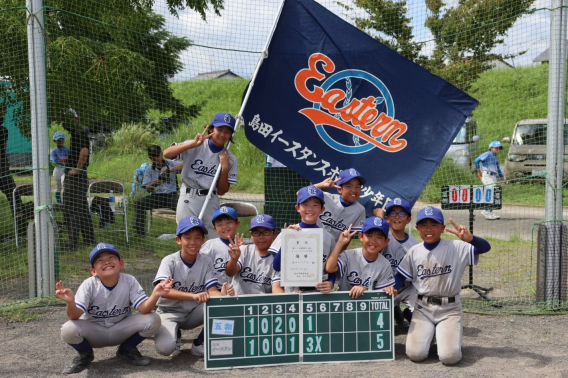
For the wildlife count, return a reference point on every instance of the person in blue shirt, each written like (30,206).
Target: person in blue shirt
(58,158)
(160,181)
(489,170)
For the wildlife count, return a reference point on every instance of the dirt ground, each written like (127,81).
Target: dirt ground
(512,346)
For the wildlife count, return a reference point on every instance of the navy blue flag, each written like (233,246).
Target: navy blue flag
(329,97)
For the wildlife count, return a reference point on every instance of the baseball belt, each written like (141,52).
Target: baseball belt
(436,300)
(199,192)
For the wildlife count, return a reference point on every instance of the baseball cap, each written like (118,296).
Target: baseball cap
(308,192)
(399,202)
(376,222)
(224,210)
(348,174)
(100,248)
(495,144)
(187,223)
(223,119)
(58,135)
(262,220)
(430,212)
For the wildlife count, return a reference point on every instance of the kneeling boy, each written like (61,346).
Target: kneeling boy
(435,268)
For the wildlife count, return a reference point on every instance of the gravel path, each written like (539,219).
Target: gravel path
(513,346)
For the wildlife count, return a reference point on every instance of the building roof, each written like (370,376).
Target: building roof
(543,56)
(215,75)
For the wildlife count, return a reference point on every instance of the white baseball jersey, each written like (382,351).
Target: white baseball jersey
(218,251)
(336,217)
(356,270)
(255,273)
(328,244)
(106,306)
(438,272)
(395,250)
(200,165)
(196,278)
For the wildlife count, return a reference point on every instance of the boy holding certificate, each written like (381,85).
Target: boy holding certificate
(310,205)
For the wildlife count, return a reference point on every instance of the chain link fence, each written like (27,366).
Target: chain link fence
(150,73)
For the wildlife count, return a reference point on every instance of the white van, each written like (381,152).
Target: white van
(527,154)
(465,147)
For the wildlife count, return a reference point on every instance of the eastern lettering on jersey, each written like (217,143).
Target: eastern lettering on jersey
(392,260)
(193,288)
(98,313)
(248,276)
(354,280)
(423,272)
(321,102)
(201,169)
(219,264)
(327,220)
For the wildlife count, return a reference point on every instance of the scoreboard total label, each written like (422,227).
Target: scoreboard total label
(276,329)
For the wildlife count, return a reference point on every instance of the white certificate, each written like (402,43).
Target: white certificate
(302,257)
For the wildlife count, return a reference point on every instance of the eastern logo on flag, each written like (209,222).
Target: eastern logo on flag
(328,97)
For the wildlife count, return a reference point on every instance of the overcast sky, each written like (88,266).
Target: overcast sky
(245,25)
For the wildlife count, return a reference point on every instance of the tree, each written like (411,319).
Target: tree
(108,59)
(465,34)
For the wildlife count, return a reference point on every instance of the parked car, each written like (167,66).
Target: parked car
(527,153)
(464,148)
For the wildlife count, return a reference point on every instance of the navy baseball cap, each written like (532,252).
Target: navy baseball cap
(376,222)
(224,119)
(430,212)
(100,248)
(399,202)
(349,174)
(262,220)
(495,144)
(224,210)
(187,223)
(58,135)
(308,192)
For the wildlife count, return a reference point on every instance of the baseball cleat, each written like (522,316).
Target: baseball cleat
(133,356)
(80,363)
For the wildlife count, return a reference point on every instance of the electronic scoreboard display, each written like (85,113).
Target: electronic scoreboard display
(277,329)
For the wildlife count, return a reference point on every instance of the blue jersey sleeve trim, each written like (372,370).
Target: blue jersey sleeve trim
(211,283)
(405,273)
(381,287)
(158,279)
(277,260)
(81,307)
(341,268)
(140,300)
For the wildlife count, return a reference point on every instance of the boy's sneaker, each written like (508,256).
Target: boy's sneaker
(488,214)
(80,363)
(495,216)
(197,350)
(133,356)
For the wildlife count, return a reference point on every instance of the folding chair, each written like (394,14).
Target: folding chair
(105,186)
(243,209)
(20,191)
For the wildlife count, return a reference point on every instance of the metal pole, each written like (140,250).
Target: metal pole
(263,56)
(556,108)
(39,127)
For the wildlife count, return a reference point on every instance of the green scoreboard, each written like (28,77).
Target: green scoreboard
(277,329)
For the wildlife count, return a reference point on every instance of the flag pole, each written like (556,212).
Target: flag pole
(239,117)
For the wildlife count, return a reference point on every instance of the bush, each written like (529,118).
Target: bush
(132,137)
